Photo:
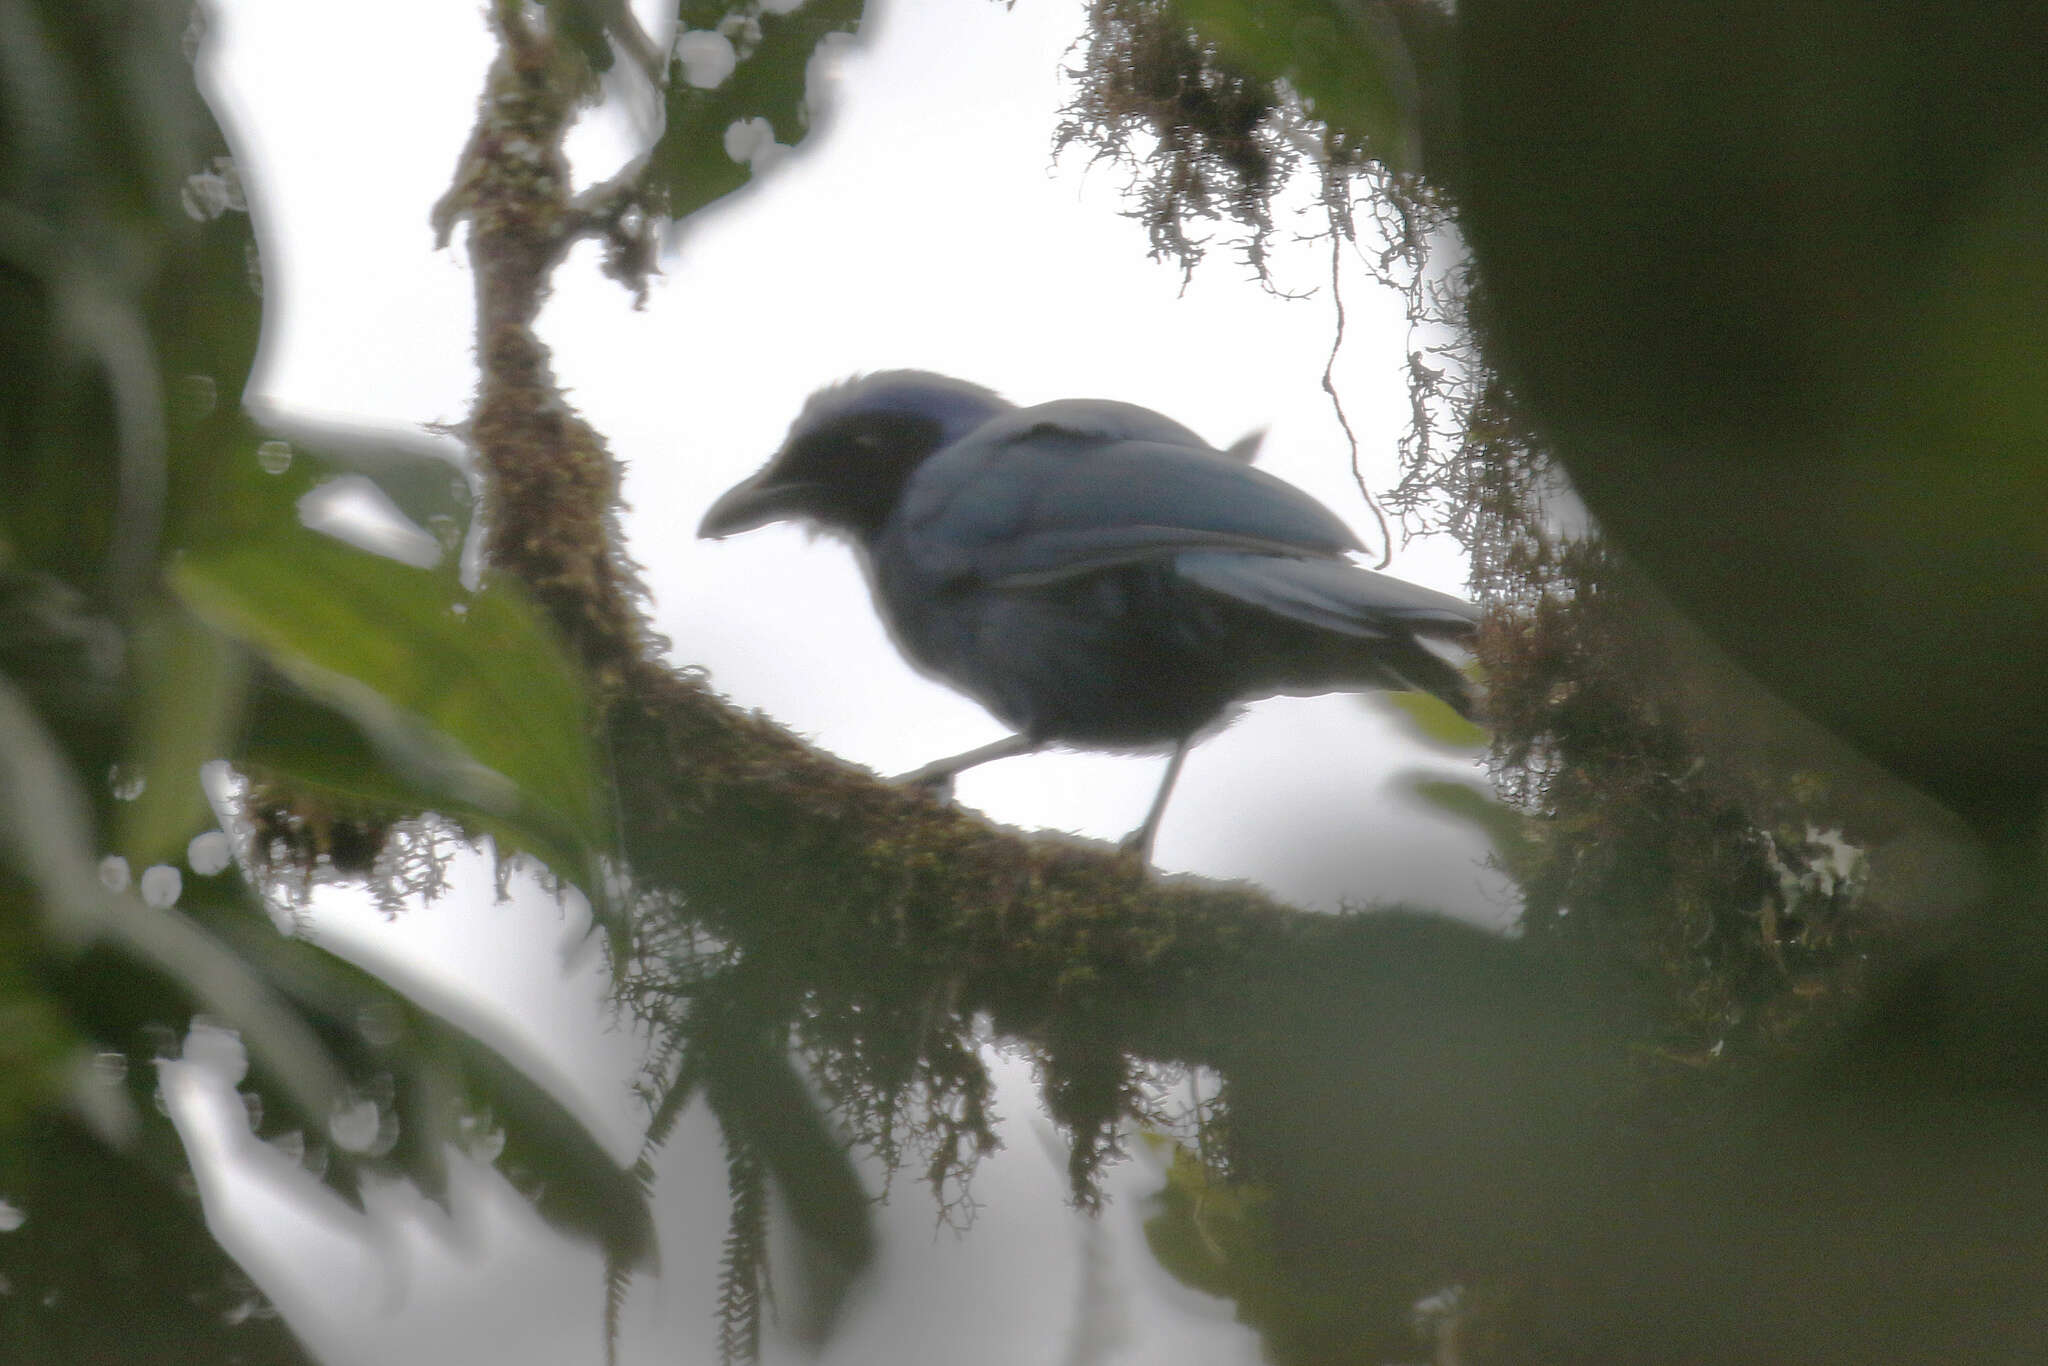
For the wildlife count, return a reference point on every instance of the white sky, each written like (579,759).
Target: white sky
(925,228)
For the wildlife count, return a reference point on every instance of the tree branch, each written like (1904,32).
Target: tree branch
(892,923)
(720,805)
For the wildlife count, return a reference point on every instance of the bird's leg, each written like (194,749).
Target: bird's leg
(1140,841)
(938,775)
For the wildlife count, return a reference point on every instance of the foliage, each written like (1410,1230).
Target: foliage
(1373,76)
(1407,1103)
(738,108)
(1836,358)
(395,650)
(743,1265)
(1553,1117)
(694,161)
(162,605)
(1215,1236)
(1587,721)
(1718,259)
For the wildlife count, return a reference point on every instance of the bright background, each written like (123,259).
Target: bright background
(926,225)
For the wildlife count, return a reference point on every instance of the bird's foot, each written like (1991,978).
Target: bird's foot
(937,786)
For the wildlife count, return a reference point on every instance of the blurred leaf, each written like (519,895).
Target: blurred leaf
(448,1088)
(80,409)
(1210,1234)
(1217,1236)
(421,474)
(574,1183)
(263,472)
(690,166)
(740,1049)
(1429,719)
(188,695)
(1475,804)
(37,1047)
(113,1263)
(68,656)
(130,306)
(463,694)
(1781,265)
(1351,62)
(46,832)
(287,732)
(46,826)
(126,274)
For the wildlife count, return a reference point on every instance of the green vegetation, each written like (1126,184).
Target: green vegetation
(1760,1079)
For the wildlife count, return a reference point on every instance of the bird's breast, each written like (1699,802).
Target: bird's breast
(1119,658)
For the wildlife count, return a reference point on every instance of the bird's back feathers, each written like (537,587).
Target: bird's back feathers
(1079,486)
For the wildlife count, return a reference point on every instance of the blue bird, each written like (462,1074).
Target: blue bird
(1092,572)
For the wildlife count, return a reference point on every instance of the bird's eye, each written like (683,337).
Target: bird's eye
(867,441)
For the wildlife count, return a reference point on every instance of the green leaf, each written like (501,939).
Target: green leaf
(689,166)
(442,1075)
(115,1265)
(287,732)
(46,827)
(1217,1235)
(47,839)
(421,475)
(463,696)
(1429,719)
(126,277)
(190,690)
(1473,803)
(766,1110)
(1209,1233)
(257,469)
(1352,63)
(37,1048)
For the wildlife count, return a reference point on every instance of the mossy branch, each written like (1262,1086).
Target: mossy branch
(872,902)
(756,831)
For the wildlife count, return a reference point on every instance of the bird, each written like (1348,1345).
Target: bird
(1092,572)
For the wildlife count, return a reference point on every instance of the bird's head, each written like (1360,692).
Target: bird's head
(848,453)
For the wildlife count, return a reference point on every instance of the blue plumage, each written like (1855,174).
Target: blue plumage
(1093,573)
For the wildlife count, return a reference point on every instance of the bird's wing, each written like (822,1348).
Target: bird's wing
(1066,488)
(1333,594)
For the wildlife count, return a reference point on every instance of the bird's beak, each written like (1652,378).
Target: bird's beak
(756,502)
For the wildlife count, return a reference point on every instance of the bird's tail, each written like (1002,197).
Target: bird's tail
(1347,625)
